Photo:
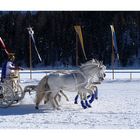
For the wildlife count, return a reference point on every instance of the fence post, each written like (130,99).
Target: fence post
(130,75)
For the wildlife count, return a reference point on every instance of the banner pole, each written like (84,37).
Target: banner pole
(76,50)
(3,46)
(30,56)
(112,61)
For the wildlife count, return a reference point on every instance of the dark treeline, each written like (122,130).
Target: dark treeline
(56,38)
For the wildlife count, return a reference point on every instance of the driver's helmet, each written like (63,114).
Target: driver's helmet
(11,56)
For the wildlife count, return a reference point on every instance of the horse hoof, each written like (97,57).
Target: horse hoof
(90,101)
(88,96)
(57,108)
(89,106)
(1,96)
(16,101)
(36,107)
(96,98)
(75,103)
(45,102)
(84,107)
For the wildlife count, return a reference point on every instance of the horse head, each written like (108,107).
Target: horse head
(94,68)
(99,75)
(101,72)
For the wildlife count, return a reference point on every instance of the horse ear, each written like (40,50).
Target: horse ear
(101,62)
(96,61)
(99,65)
(93,60)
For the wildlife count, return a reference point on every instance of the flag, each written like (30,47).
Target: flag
(79,33)
(31,33)
(3,46)
(114,41)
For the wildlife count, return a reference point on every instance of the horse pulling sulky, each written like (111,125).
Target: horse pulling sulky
(76,81)
(52,86)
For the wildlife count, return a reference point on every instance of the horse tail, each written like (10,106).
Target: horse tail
(42,88)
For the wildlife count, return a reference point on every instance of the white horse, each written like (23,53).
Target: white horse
(73,81)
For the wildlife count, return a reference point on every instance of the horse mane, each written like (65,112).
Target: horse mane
(90,62)
(88,67)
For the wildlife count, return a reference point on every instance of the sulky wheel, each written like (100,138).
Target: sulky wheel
(6,95)
(19,93)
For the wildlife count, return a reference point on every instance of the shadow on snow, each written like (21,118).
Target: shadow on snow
(20,110)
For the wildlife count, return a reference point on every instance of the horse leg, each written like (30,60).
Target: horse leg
(85,98)
(91,96)
(41,89)
(58,96)
(76,99)
(87,104)
(46,98)
(82,101)
(96,92)
(64,95)
(83,104)
(39,97)
(77,96)
(53,100)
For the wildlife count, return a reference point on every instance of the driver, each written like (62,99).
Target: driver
(8,67)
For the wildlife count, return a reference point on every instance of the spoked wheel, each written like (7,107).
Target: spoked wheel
(19,93)
(6,95)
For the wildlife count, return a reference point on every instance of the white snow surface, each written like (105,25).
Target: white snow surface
(117,107)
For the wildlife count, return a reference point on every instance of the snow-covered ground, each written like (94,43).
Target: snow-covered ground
(118,107)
